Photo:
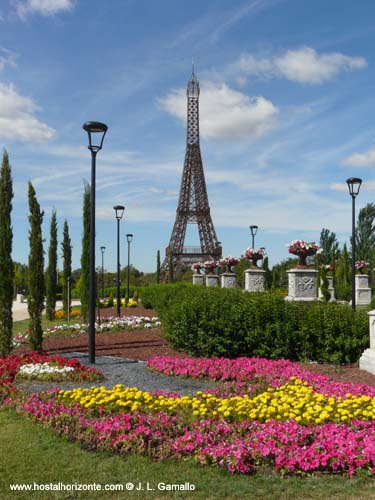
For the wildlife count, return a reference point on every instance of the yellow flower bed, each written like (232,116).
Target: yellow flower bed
(295,400)
(74,313)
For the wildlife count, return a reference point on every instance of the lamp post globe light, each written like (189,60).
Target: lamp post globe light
(119,211)
(102,249)
(354,184)
(253,230)
(129,238)
(96,132)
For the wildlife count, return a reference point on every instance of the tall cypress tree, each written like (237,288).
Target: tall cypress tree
(85,257)
(35,298)
(6,263)
(51,276)
(67,268)
(158,267)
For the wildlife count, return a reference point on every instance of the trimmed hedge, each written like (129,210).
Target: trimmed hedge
(225,322)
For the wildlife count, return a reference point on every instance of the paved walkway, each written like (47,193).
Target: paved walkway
(20,309)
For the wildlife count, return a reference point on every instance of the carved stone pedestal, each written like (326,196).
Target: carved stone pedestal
(228,280)
(198,279)
(254,280)
(330,289)
(362,290)
(302,285)
(212,280)
(367,360)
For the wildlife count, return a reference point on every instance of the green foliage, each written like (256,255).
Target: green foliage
(85,256)
(67,268)
(324,284)
(35,297)
(170,267)
(268,275)
(227,322)
(158,267)
(329,245)
(6,263)
(51,275)
(20,277)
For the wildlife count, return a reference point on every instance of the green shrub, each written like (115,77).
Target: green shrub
(228,322)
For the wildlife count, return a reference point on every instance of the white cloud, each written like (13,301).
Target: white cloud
(225,113)
(7,58)
(43,7)
(303,65)
(17,120)
(366,159)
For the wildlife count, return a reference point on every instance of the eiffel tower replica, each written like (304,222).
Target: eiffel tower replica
(193,207)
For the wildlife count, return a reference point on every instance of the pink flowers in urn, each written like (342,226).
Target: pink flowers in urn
(197,266)
(361,265)
(210,266)
(228,262)
(303,249)
(255,255)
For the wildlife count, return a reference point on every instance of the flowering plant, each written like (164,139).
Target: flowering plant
(228,262)
(361,265)
(210,265)
(328,267)
(301,247)
(197,266)
(251,253)
(255,255)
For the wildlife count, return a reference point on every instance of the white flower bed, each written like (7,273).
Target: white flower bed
(39,369)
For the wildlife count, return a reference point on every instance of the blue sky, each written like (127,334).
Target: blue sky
(287,110)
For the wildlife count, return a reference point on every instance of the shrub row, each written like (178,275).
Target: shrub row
(217,322)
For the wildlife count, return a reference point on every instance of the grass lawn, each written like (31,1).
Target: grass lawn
(23,325)
(31,454)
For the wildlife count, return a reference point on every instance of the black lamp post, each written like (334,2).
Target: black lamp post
(98,130)
(353,184)
(102,249)
(253,230)
(119,211)
(129,238)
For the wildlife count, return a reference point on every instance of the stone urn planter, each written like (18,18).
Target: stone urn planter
(228,280)
(198,279)
(362,290)
(212,280)
(302,284)
(254,276)
(254,279)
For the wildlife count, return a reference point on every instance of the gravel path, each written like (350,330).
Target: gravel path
(130,373)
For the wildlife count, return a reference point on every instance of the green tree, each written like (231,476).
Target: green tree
(85,256)
(329,245)
(268,275)
(67,268)
(365,233)
(158,267)
(170,267)
(51,275)
(20,277)
(6,263)
(35,297)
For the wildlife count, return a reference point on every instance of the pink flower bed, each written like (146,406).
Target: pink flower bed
(239,446)
(244,371)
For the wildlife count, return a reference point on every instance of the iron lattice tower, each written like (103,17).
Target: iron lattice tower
(193,207)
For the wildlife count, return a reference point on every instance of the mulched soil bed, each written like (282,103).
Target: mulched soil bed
(141,344)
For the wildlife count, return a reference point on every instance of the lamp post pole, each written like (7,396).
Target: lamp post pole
(119,210)
(253,230)
(129,238)
(102,249)
(93,128)
(354,185)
